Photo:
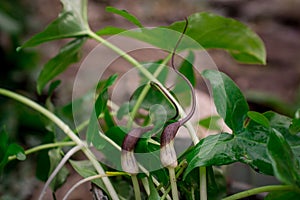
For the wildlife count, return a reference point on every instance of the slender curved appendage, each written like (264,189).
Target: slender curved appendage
(193,108)
(171,130)
(74,187)
(167,151)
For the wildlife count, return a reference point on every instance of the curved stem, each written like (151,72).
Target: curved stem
(59,166)
(80,183)
(269,188)
(44,146)
(66,129)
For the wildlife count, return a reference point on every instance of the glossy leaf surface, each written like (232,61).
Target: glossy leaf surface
(249,146)
(259,118)
(209,31)
(229,100)
(213,31)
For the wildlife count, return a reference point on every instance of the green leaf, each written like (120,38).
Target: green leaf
(213,150)
(101,90)
(285,165)
(229,100)
(55,157)
(17,150)
(53,86)
(124,14)
(249,146)
(9,149)
(259,118)
(153,191)
(71,22)
(110,30)
(205,31)
(86,169)
(211,123)
(295,126)
(213,31)
(68,54)
(280,195)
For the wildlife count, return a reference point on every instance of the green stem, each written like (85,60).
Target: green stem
(173,183)
(136,187)
(42,147)
(269,188)
(203,183)
(182,165)
(66,129)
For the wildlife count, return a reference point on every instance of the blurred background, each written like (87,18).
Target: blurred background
(275,86)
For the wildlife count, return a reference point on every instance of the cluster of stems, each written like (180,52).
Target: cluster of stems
(167,151)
